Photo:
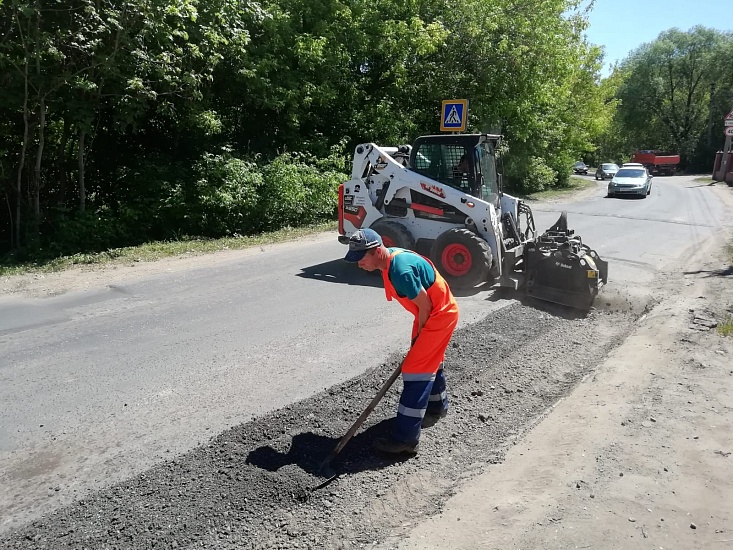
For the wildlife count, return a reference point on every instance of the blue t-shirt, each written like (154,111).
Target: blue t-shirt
(409,272)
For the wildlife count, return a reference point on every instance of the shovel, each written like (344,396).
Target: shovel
(325,468)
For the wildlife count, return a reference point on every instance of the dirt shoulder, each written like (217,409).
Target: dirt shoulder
(639,455)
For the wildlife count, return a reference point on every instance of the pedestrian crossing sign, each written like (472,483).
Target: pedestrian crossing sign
(454,115)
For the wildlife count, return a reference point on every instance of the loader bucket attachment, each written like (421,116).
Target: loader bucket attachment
(560,268)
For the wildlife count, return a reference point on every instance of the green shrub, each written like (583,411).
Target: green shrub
(158,199)
(726,327)
(227,200)
(75,232)
(296,193)
(539,176)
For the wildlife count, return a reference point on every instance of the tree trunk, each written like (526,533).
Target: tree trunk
(61,165)
(82,190)
(36,180)
(10,219)
(37,184)
(21,164)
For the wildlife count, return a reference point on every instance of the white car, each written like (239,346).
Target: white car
(631,179)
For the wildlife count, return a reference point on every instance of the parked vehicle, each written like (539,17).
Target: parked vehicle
(657,162)
(580,168)
(631,179)
(606,170)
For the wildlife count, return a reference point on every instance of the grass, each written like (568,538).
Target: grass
(726,327)
(575,184)
(150,252)
(704,179)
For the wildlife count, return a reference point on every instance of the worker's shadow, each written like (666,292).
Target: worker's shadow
(723,272)
(308,451)
(341,271)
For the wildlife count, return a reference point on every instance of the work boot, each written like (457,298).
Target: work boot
(393,446)
(431,419)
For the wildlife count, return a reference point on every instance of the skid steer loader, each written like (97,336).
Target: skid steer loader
(442,197)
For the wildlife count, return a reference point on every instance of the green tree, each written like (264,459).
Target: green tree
(674,89)
(101,73)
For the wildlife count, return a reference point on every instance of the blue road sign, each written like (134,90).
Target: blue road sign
(454,115)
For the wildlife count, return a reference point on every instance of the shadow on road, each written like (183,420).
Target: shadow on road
(464,292)
(341,271)
(309,450)
(726,272)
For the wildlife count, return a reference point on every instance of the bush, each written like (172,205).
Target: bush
(296,192)
(220,195)
(227,200)
(538,176)
(75,232)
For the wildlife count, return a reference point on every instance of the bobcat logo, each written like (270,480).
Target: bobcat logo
(434,189)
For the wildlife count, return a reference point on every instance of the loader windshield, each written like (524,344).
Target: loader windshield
(487,166)
(466,162)
(451,164)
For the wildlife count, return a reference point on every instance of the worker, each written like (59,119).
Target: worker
(462,174)
(462,166)
(413,281)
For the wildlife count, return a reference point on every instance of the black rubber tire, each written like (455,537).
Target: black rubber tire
(455,244)
(394,234)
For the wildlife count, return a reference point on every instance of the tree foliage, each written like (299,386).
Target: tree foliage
(674,93)
(124,121)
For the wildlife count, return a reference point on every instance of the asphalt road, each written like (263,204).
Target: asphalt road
(98,385)
(641,238)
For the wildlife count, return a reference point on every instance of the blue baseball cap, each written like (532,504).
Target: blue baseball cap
(361,241)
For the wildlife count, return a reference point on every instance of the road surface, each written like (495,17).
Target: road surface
(99,384)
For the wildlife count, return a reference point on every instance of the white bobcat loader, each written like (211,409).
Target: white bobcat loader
(442,197)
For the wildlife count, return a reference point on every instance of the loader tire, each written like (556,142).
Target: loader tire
(394,234)
(462,258)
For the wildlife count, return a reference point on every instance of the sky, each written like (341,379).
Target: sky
(620,26)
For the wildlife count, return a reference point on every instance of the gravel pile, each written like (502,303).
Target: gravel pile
(249,486)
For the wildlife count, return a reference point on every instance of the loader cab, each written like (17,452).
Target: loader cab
(466,162)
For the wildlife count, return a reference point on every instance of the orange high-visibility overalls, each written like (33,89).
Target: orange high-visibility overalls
(422,370)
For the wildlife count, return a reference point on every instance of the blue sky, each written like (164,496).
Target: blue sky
(620,26)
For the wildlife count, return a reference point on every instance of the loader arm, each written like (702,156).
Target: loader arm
(386,187)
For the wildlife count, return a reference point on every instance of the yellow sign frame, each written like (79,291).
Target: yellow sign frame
(449,105)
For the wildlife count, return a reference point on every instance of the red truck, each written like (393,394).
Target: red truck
(657,162)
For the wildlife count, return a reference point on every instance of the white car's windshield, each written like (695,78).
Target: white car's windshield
(630,173)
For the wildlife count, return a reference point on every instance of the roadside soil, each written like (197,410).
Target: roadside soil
(607,430)
(639,455)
